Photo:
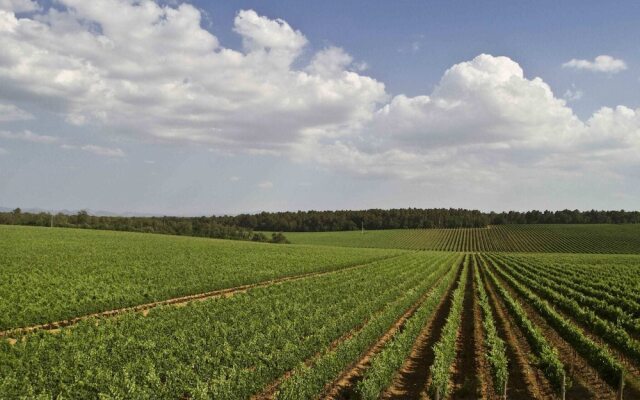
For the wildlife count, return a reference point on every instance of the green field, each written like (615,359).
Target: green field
(54,274)
(324,319)
(596,238)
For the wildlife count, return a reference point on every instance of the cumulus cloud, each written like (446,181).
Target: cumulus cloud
(483,118)
(601,63)
(10,112)
(152,69)
(28,136)
(141,68)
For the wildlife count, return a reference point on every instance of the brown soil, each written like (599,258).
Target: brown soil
(344,386)
(524,380)
(632,384)
(177,301)
(466,375)
(412,379)
(271,389)
(586,382)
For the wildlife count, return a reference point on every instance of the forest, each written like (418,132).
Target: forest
(244,226)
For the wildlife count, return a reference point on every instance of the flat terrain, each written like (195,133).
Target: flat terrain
(90,314)
(596,238)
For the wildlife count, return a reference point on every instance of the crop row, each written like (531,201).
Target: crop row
(581,284)
(54,274)
(445,348)
(386,363)
(612,333)
(598,356)
(222,348)
(503,238)
(615,275)
(308,380)
(549,362)
(563,293)
(496,355)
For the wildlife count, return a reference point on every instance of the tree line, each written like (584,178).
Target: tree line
(244,226)
(417,218)
(183,226)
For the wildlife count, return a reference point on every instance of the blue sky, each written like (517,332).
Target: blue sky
(224,107)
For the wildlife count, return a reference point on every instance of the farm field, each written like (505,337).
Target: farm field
(53,274)
(307,322)
(596,238)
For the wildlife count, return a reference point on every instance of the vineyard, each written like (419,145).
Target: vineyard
(596,238)
(97,314)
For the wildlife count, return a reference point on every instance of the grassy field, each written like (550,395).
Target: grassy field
(273,321)
(518,238)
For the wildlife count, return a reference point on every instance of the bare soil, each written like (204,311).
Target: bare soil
(344,386)
(412,379)
(466,375)
(525,381)
(270,390)
(586,384)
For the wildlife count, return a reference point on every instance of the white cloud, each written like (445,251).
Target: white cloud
(140,68)
(3,151)
(265,185)
(10,112)
(97,150)
(601,63)
(234,178)
(18,5)
(28,136)
(153,70)
(330,62)
(484,119)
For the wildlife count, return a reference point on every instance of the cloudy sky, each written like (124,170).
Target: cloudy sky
(223,107)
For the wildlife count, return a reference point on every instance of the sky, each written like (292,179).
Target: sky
(212,107)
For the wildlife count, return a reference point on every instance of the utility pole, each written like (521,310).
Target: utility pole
(362,226)
(52,220)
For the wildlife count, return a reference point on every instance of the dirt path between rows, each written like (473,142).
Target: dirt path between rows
(586,382)
(632,388)
(411,381)
(524,380)
(344,387)
(270,390)
(633,368)
(466,382)
(144,308)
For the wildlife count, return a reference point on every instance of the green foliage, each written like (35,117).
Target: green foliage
(279,238)
(504,238)
(53,274)
(445,349)
(599,314)
(547,355)
(598,356)
(308,381)
(386,363)
(218,348)
(497,355)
